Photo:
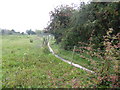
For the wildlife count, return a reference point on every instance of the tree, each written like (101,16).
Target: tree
(30,32)
(22,33)
(78,24)
(60,20)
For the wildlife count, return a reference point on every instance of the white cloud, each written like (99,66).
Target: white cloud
(27,14)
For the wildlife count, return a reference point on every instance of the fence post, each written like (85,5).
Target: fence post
(43,41)
(73,54)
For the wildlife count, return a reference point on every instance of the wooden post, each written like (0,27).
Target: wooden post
(73,54)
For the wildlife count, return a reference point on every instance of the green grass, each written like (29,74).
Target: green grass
(93,63)
(77,59)
(29,65)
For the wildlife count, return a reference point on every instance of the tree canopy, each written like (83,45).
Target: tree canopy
(71,26)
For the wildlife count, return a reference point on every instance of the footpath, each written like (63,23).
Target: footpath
(71,63)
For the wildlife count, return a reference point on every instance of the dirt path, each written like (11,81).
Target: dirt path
(71,63)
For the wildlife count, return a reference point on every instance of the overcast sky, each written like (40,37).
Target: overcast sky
(22,15)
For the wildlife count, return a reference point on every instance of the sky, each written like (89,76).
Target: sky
(22,15)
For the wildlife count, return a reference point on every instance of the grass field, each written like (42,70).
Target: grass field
(31,65)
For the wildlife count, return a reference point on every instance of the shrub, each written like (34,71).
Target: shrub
(31,41)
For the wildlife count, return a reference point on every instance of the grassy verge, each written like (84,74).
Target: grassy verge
(29,65)
(94,65)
